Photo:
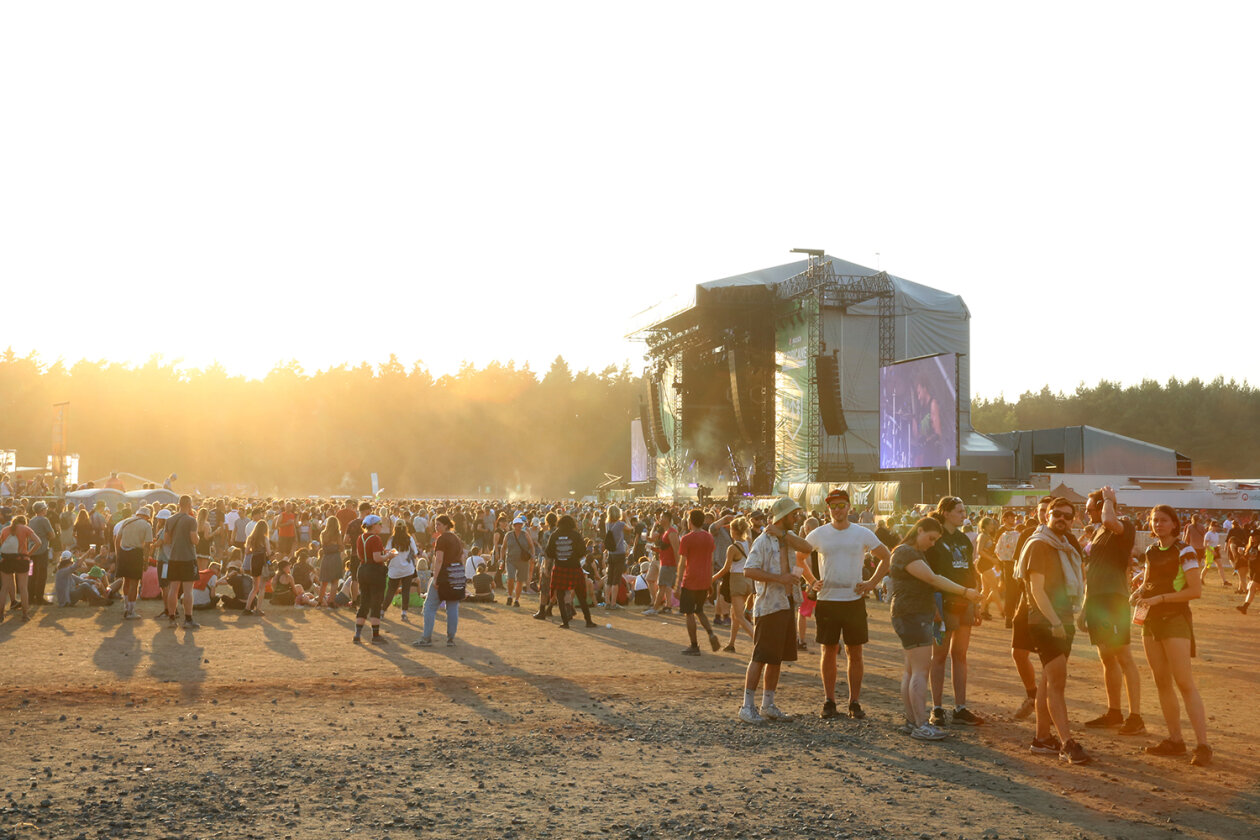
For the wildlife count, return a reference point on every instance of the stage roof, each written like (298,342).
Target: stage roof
(909,296)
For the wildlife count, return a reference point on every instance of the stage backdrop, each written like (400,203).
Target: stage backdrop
(793,396)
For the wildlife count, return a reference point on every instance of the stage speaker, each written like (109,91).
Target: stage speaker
(830,408)
(645,423)
(658,424)
(744,416)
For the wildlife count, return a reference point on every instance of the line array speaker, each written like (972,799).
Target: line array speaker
(744,418)
(658,423)
(645,423)
(830,408)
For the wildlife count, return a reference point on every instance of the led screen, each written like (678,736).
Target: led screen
(918,413)
(638,452)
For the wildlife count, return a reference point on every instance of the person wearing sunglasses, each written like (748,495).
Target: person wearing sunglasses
(1055,578)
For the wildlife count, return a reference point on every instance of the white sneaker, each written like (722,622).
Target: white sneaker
(773,712)
(649,611)
(928,732)
(403,615)
(749,715)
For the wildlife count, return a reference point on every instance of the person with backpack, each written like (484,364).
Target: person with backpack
(566,549)
(447,585)
(518,553)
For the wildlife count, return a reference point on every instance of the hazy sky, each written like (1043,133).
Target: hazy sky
(333,182)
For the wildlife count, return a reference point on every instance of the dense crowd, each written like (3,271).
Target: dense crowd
(768,571)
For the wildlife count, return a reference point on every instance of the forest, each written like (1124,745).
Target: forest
(1212,423)
(497,430)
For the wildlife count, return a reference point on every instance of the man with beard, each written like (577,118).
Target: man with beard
(1055,586)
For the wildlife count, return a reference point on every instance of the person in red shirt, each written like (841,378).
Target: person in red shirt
(695,567)
(667,548)
(286,529)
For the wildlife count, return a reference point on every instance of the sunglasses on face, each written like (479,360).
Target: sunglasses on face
(1059,514)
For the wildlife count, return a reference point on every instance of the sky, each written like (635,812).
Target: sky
(333,182)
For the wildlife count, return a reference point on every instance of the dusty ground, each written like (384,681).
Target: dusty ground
(280,728)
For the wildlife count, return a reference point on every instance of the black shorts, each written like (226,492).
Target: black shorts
(14,564)
(181,572)
(257,563)
(1108,618)
(1021,639)
(691,601)
(1047,646)
(1169,626)
(131,563)
(774,637)
(841,619)
(286,544)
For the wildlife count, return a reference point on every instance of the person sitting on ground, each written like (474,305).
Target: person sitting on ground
(642,589)
(483,586)
(236,581)
(286,591)
(203,588)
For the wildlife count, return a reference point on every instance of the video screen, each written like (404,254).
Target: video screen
(918,413)
(638,452)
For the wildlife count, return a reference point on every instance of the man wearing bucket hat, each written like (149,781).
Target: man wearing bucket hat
(132,536)
(771,565)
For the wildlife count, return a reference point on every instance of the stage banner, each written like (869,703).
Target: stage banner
(793,396)
(815,496)
(638,452)
(796,491)
(887,497)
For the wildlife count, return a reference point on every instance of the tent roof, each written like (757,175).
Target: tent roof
(1065,492)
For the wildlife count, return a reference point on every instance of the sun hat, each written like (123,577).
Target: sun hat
(782,508)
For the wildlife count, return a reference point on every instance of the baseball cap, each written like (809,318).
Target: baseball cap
(164,514)
(520,520)
(838,493)
(370,520)
(67,555)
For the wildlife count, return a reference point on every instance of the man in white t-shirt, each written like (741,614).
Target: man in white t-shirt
(841,611)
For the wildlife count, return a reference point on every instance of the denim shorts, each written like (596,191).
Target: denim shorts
(914,630)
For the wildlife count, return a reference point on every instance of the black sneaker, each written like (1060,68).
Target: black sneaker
(855,711)
(1074,753)
(802,646)
(691,651)
(379,640)
(937,717)
(1047,746)
(1133,725)
(1167,747)
(1202,756)
(965,718)
(829,710)
(1105,721)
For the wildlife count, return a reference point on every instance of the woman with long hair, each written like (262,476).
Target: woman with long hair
(82,530)
(987,565)
(1170,581)
(331,566)
(257,552)
(402,568)
(566,548)
(951,557)
(735,586)
(914,585)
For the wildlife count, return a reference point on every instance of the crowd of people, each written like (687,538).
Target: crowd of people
(1050,572)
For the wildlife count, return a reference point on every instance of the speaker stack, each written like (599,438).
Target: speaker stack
(658,424)
(830,407)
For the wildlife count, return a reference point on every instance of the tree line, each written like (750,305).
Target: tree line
(495,430)
(1212,423)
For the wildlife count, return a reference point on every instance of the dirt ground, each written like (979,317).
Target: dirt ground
(281,728)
